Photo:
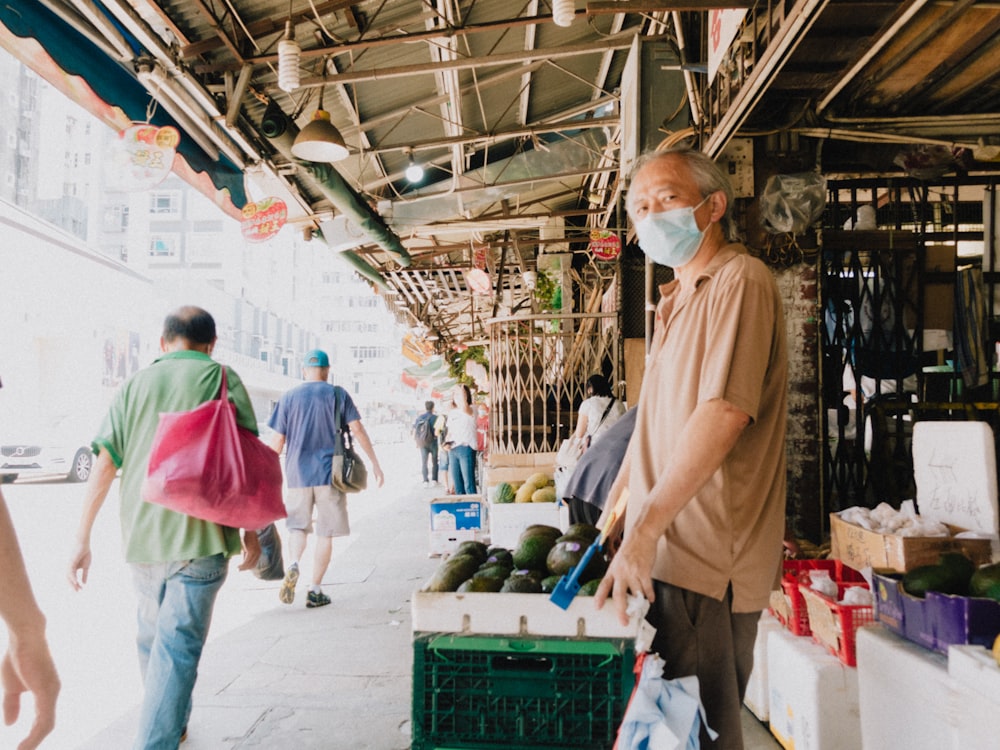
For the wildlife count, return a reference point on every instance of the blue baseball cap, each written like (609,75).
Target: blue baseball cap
(316,358)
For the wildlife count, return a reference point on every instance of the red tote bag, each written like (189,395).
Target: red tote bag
(204,465)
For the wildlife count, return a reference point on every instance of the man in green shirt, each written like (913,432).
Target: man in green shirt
(178,562)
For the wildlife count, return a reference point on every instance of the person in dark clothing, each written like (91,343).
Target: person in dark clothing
(427,443)
(588,487)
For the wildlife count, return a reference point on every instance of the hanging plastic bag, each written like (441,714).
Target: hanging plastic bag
(662,714)
(271,565)
(792,202)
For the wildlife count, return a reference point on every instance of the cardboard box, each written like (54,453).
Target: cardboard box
(860,548)
(508,520)
(453,520)
(516,467)
(521,615)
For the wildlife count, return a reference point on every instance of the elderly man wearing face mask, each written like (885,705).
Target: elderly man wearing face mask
(705,468)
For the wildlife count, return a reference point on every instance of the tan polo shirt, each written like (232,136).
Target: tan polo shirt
(725,339)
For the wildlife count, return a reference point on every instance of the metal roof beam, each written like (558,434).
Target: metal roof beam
(618,41)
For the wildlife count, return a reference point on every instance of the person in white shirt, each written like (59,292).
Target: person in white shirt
(599,410)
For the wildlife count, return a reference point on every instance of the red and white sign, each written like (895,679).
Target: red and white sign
(263,219)
(478,281)
(146,156)
(723,26)
(604,244)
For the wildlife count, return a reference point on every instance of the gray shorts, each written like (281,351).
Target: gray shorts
(331,510)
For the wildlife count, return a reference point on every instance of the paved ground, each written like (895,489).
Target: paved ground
(335,677)
(285,677)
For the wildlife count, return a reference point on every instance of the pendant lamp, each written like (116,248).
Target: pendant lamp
(320,141)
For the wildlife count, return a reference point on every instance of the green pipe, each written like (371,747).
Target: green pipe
(361,266)
(281,130)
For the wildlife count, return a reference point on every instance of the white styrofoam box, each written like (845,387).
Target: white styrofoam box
(453,520)
(904,692)
(523,615)
(446,541)
(975,698)
(508,520)
(975,668)
(757,697)
(954,467)
(813,703)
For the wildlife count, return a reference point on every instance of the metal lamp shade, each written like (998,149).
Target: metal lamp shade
(320,141)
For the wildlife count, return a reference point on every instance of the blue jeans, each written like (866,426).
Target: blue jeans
(462,465)
(175,602)
(429,452)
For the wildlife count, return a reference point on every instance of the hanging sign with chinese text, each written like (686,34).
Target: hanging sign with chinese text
(263,219)
(604,244)
(146,156)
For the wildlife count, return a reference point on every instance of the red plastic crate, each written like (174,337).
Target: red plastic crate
(788,606)
(835,625)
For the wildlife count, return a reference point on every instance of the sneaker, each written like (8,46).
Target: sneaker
(287,591)
(427,484)
(317,599)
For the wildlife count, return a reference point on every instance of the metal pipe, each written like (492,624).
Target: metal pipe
(281,130)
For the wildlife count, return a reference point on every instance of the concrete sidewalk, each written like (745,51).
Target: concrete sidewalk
(284,677)
(337,677)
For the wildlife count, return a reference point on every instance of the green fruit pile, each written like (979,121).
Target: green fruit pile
(954,574)
(543,555)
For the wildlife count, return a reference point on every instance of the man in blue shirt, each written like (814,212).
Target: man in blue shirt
(308,421)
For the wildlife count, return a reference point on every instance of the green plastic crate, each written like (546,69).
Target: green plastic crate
(485,692)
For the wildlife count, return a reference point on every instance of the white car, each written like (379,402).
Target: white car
(50,454)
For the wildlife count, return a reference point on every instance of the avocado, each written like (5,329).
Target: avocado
(476,549)
(581,531)
(985,582)
(532,551)
(590,587)
(962,566)
(492,571)
(539,529)
(549,584)
(452,573)
(521,585)
(945,579)
(564,556)
(500,556)
(481,584)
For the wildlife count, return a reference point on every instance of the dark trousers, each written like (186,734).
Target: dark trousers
(699,635)
(430,451)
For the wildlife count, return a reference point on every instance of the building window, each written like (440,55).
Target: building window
(163,246)
(165,203)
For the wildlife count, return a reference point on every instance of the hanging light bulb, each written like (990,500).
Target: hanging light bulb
(288,61)
(563,12)
(414,171)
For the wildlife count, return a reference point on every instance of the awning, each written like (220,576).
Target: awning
(81,70)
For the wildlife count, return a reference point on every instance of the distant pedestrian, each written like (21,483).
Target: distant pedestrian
(427,444)
(178,562)
(462,441)
(308,421)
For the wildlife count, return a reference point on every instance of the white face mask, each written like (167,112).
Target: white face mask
(671,238)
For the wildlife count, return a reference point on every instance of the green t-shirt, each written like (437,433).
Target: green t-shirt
(177,381)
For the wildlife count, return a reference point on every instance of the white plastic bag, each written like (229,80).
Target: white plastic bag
(792,202)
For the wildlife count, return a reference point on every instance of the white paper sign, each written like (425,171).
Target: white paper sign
(723,26)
